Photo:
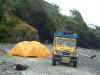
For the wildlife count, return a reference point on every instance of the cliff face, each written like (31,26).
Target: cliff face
(23,32)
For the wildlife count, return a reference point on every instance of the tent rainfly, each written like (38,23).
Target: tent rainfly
(27,48)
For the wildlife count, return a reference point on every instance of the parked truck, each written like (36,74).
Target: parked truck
(65,47)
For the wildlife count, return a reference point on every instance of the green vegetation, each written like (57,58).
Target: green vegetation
(38,20)
(98,28)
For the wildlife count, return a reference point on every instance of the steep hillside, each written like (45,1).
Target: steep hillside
(40,19)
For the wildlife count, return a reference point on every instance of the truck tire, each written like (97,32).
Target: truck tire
(54,62)
(75,62)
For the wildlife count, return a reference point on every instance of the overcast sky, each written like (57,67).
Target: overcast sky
(90,9)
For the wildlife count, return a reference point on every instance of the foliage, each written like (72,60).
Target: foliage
(75,22)
(44,17)
(40,14)
(97,27)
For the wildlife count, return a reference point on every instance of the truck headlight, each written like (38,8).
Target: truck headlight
(59,52)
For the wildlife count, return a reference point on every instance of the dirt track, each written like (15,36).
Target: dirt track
(38,66)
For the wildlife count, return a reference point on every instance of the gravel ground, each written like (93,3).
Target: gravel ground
(37,66)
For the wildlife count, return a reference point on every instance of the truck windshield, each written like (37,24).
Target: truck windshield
(66,43)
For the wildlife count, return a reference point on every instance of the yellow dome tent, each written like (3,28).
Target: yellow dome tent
(33,48)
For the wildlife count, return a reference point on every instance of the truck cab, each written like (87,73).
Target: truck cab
(65,47)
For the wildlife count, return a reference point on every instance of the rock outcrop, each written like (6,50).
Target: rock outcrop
(23,32)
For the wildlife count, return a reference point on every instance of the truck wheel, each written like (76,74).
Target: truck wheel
(54,62)
(74,63)
(75,59)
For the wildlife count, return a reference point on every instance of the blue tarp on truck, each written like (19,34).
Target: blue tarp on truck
(66,33)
